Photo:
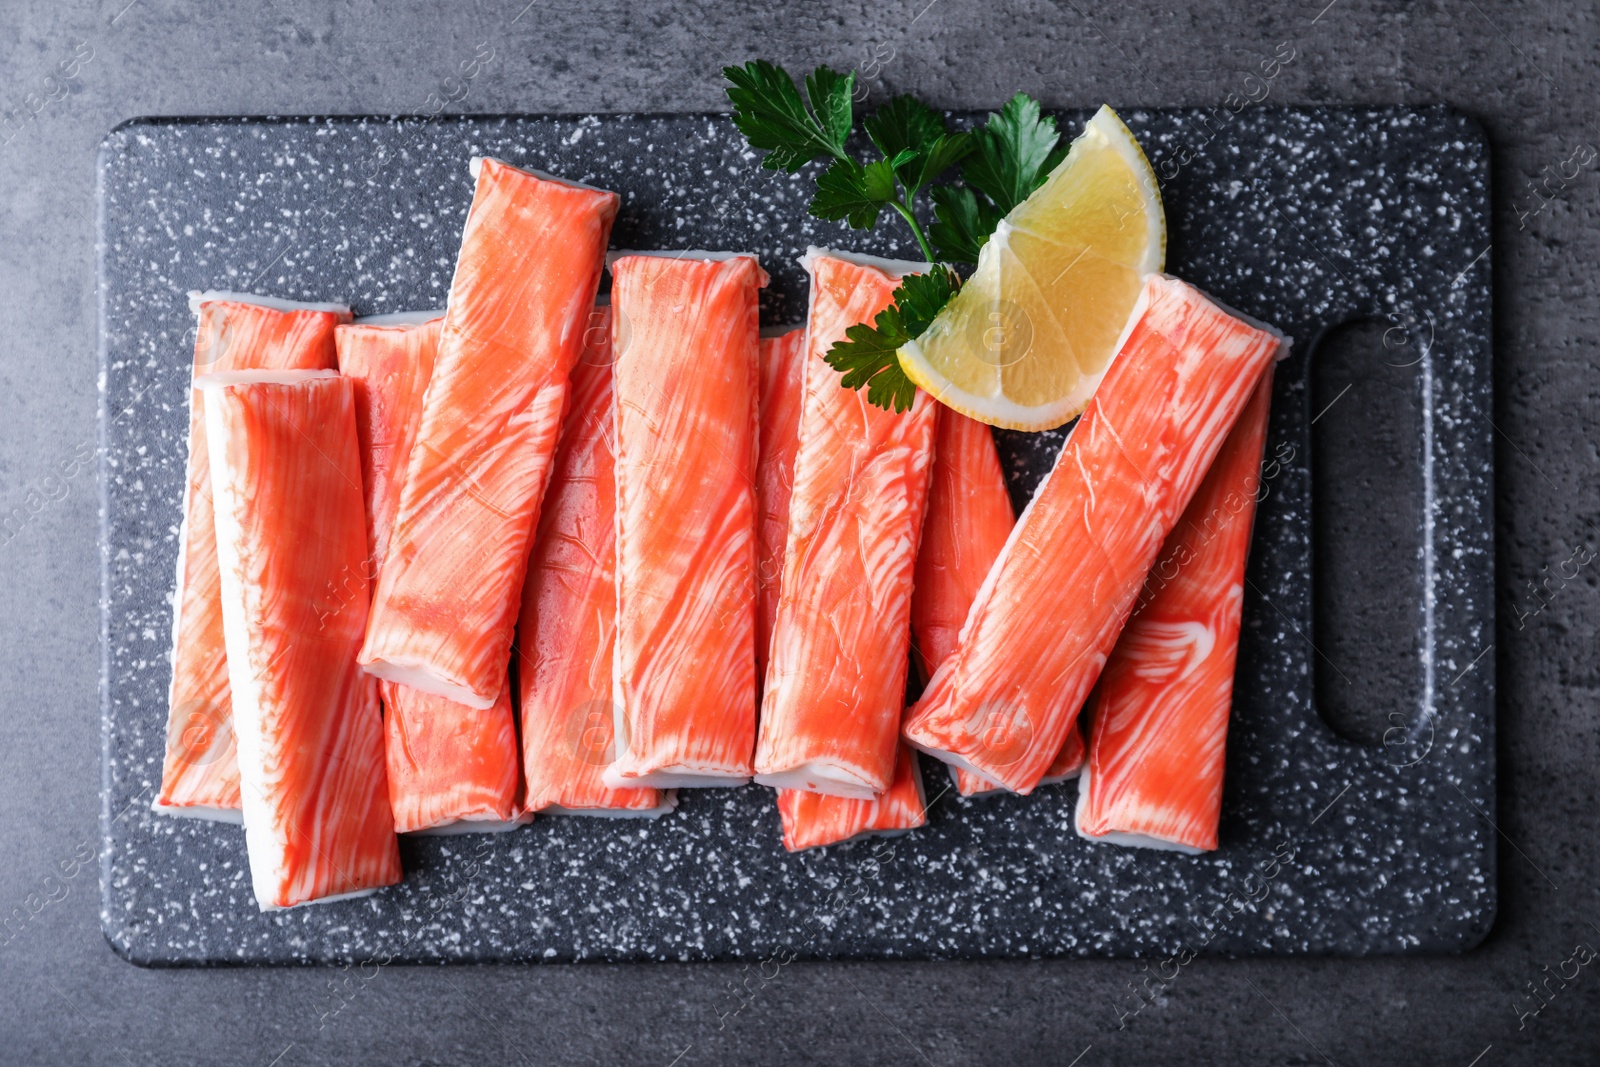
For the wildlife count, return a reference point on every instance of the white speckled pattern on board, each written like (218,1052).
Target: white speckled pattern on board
(1307,218)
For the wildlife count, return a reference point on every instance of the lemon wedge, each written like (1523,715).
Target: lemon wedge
(1029,336)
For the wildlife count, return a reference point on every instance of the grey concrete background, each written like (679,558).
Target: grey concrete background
(1526,70)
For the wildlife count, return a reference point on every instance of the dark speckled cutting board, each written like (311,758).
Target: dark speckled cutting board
(1370,838)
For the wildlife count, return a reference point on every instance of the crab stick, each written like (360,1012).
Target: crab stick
(1044,622)
(292,553)
(1160,716)
(969,518)
(236,336)
(685,401)
(811,820)
(782,387)
(567,630)
(446,602)
(836,679)
(389,360)
(1067,765)
(451,767)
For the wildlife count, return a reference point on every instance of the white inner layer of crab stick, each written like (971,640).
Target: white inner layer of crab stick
(811,820)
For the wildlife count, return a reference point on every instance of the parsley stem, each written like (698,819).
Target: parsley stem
(916,228)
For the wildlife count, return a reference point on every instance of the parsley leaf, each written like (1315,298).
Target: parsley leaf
(869,354)
(944,152)
(848,190)
(920,297)
(830,96)
(768,110)
(962,222)
(1010,156)
(910,131)
(915,143)
(904,122)
(1013,153)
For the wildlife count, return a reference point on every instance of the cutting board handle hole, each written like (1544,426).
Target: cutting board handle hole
(1365,406)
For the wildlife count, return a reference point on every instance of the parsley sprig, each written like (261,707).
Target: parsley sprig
(914,143)
(1001,164)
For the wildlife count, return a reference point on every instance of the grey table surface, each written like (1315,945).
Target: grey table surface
(1525,71)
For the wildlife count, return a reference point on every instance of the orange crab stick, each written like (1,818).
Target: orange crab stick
(968,520)
(292,554)
(836,680)
(446,602)
(567,631)
(1160,720)
(451,767)
(783,362)
(811,820)
(236,336)
(1045,620)
(389,360)
(686,394)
